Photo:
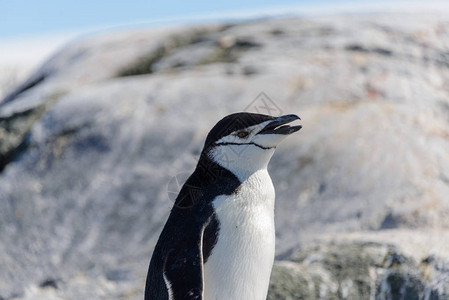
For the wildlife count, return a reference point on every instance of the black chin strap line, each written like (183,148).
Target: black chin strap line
(251,143)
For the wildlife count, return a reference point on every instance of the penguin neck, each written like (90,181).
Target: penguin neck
(205,177)
(209,171)
(244,164)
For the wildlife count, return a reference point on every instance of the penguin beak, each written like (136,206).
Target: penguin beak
(277,126)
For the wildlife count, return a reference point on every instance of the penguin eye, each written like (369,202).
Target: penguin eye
(242,134)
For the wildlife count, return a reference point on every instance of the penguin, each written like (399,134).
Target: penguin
(219,240)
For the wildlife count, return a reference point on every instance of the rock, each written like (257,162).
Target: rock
(290,281)
(87,153)
(343,270)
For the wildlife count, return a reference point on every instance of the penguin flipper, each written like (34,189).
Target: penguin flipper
(183,270)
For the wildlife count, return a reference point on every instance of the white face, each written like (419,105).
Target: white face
(244,151)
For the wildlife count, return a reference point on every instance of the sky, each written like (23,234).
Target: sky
(30,18)
(25,17)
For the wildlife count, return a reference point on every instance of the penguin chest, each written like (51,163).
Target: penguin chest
(240,263)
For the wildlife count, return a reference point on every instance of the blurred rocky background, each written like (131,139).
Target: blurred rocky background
(94,143)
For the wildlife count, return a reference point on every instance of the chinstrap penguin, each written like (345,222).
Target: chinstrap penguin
(219,240)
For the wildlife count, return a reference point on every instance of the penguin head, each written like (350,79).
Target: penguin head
(244,142)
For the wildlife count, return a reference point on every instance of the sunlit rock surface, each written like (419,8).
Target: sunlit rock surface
(93,143)
(358,270)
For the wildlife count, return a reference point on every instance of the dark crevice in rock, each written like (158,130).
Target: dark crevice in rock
(249,70)
(7,122)
(15,131)
(438,58)
(429,56)
(145,64)
(389,222)
(49,283)
(393,259)
(429,259)
(322,187)
(93,141)
(277,32)
(70,131)
(400,285)
(27,85)
(242,44)
(377,50)
(14,134)
(224,48)
(6,158)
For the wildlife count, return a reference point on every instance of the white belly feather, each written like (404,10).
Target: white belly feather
(241,261)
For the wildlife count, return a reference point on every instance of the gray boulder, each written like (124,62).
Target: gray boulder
(93,144)
(358,270)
